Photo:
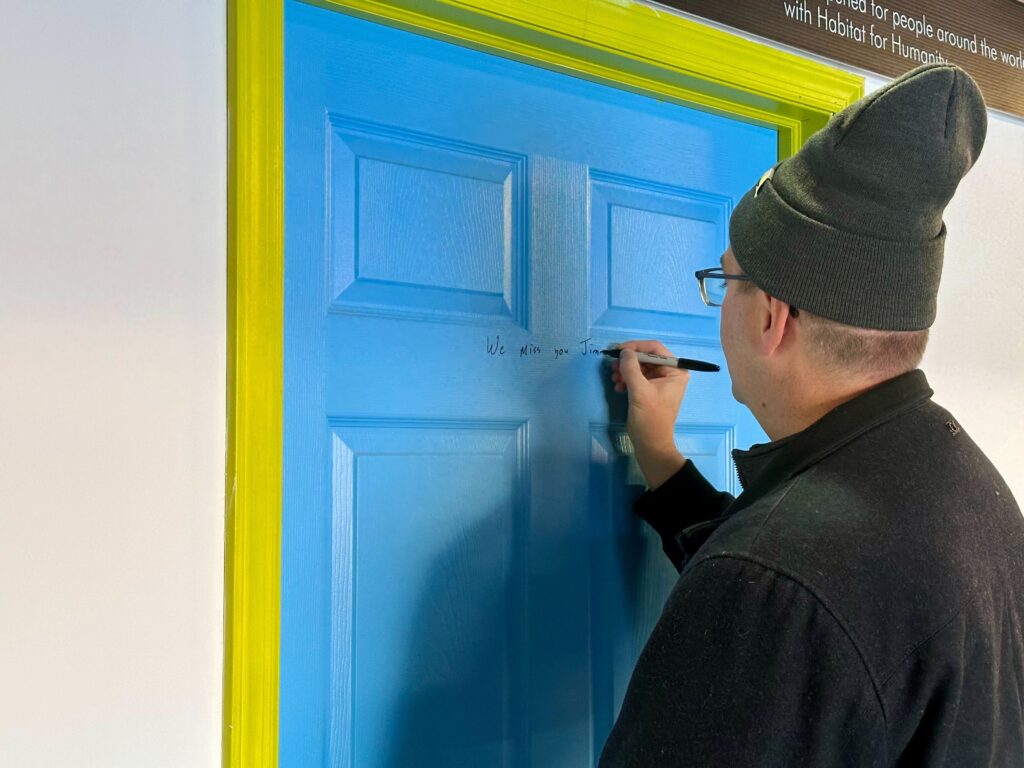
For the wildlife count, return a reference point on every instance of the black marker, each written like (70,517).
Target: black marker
(675,362)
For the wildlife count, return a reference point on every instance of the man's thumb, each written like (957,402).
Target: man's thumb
(629,367)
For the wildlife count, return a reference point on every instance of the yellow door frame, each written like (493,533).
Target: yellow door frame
(621,43)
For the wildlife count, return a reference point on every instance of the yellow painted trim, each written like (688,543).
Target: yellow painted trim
(617,42)
(255,322)
(640,48)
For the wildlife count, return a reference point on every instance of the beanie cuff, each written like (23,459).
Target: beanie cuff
(853,279)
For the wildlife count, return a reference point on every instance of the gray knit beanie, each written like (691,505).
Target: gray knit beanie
(850,227)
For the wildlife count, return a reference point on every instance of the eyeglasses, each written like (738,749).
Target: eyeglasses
(712,287)
(712,284)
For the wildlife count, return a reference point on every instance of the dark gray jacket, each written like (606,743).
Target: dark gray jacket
(861,603)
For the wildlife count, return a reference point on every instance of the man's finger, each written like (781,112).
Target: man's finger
(629,368)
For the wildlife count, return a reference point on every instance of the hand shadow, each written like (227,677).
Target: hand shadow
(631,576)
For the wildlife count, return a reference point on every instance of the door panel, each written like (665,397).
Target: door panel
(463,582)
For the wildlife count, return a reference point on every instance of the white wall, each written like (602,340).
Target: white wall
(112,379)
(975,355)
(112,353)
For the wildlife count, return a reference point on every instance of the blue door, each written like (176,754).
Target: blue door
(463,582)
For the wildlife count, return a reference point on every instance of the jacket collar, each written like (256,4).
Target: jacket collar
(764,466)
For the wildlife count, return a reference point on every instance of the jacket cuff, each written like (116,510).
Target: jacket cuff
(684,499)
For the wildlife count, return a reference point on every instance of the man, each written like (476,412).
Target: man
(861,602)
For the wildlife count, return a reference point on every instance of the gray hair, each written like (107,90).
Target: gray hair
(850,350)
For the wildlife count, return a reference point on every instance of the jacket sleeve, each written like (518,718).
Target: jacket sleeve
(747,668)
(685,499)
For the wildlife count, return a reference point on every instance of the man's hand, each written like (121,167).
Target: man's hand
(655,394)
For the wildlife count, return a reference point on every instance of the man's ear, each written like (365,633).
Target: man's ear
(775,323)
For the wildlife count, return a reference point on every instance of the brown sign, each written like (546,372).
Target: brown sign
(985,37)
